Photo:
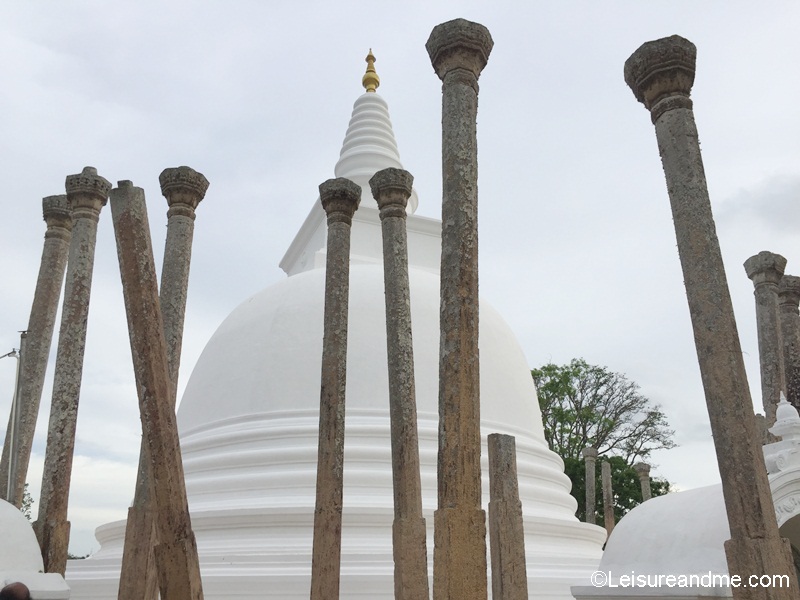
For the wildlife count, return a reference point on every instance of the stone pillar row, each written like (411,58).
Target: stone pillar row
(70,244)
(176,556)
(58,216)
(184,189)
(777,298)
(87,193)
(660,74)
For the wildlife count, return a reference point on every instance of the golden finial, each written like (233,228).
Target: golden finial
(370,81)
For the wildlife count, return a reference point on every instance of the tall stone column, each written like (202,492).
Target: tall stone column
(788,301)
(643,471)
(765,269)
(58,216)
(506,532)
(87,193)
(661,74)
(459,51)
(608,496)
(340,198)
(184,189)
(589,459)
(176,552)
(391,189)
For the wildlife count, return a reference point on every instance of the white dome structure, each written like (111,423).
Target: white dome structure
(21,558)
(684,534)
(249,421)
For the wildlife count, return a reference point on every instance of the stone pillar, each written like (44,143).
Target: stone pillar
(391,189)
(506,532)
(340,198)
(87,193)
(459,51)
(58,216)
(765,269)
(590,458)
(183,188)
(608,496)
(661,74)
(788,301)
(643,471)
(176,553)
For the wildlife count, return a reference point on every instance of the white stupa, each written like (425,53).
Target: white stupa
(249,420)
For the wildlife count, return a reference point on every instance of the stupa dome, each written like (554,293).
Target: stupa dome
(249,420)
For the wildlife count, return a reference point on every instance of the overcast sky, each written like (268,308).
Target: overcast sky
(577,246)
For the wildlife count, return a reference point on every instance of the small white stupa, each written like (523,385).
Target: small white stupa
(250,414)
(21,558)
(673,545)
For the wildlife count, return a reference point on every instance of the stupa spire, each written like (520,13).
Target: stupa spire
(370,80)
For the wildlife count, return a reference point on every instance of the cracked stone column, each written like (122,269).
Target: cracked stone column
(506,532)
(788,301)
(459,51)
(661,74)
(589,459)
(765,269)
(58,216)
(87,193)
(184,189)
(391,189)
(176,552)
(608,496)
(643,471)
(340,198)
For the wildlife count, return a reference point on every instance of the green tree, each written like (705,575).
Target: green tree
(584,405)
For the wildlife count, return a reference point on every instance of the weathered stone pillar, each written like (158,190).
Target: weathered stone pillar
(391,189)
(589,459)
(183,188)
(661,74)
(176,553)
(459,51)
(765,269)
(608,496)
(340,198)
(87,193)
(788,301)
(643,471)
(506,532)
(58,216)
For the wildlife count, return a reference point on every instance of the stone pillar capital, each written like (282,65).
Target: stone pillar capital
(183,186)
(589,453)
(459,45)
(642,469)
(391,189)
(765,267)
(57,213)
(340,198)
(87,190)
(789,291)
(661,73)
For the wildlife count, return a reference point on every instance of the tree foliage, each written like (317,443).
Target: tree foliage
(582,406)
(27,502)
